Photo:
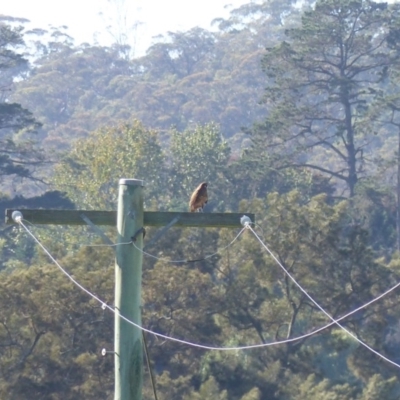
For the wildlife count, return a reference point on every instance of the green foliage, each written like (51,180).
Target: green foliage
(52,333)
(198,155)
(209,390)
(380,388)
(17,153)
(237,298)
(195,77)
(254,394)
(341,252)
(322,78)
(313,389)
(89,173)
(12,63)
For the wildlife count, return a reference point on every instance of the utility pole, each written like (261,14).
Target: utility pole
(128,277)
(130,220)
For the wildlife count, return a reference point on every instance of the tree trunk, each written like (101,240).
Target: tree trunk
(349,142)
(398,194)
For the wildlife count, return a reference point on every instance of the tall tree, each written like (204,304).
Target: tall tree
(15,154)
(321,81)
(94,165)
(198,155)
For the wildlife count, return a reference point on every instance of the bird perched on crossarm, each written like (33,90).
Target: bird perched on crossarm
(199,198)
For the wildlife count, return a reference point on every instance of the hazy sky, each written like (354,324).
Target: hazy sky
(88,20)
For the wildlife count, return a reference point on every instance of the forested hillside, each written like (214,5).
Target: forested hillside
(188,78)
(289,112)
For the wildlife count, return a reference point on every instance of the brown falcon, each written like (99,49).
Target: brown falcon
(199,198)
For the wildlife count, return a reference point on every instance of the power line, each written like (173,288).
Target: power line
(106,306)
(317,305)
(161,258)
(206,347)
(190,261)
(81,244)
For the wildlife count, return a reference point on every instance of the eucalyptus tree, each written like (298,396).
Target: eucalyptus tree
(16,152)
(89,173)
(321,80)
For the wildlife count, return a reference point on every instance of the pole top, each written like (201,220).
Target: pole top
(131,182)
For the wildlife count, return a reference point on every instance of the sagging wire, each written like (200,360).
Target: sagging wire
(18,219)
(248,225)
(194,260)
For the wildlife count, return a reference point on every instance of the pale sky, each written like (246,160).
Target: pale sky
(88,20)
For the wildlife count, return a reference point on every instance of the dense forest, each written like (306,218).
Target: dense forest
(288,111)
